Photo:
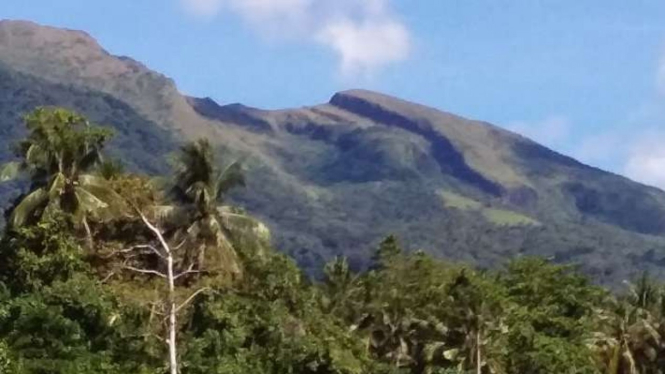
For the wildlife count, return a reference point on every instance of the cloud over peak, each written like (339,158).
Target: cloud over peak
(365,35)
(363,47)
(646,159)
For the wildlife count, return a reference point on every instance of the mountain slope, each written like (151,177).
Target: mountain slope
(333,179)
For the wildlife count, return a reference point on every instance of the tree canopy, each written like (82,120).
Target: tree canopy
(241,307)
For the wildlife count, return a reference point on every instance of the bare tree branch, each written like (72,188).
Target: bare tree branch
(144,271)
(157,233)
(152,248)
(177,247)
(166,255)
(190,270)
(133,249)
(191,297)
(109,276)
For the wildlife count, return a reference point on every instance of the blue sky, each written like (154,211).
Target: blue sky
(584,77)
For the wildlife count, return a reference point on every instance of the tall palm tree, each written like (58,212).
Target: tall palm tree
(208,229)
(646,297)
(616,342)
(389,314)
(631,339)
(341,288)
(57,156)
(475,322)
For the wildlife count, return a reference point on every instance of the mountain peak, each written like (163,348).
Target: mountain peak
(354,97)
(363,93)
(25,38)
(72,57)
(25,28)
(374,97)
(59,55)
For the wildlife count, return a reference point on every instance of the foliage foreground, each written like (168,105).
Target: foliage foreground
(89,247)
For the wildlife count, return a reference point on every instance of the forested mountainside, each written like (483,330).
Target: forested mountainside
(149,232)
(333,179)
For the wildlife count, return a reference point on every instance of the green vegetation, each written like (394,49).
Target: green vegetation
(165,278)
(457,201)
(503,217)
(57,155)
(141,144)
(500,217)
(333,180)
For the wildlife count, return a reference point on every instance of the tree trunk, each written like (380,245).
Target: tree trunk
(88,234)
(172,324)
(166,255)
(479,366)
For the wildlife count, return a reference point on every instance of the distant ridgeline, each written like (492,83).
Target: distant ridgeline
(334,179)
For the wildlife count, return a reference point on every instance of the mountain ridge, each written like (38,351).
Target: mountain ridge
(334,178)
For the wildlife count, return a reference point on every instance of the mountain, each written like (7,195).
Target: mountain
(333,179)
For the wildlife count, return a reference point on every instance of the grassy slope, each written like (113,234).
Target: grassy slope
(501,217)
(373,177)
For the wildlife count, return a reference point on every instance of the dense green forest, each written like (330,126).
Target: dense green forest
(107,271)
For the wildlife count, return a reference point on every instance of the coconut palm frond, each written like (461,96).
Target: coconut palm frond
(630,359)
(28,206)
(237,221)
(168,214)
(60,148)
(194,164)
(225,255)
(92,180)
(10,171)
(434,350)
(88,201)
(111,169)
(198,187)
(56,186)
(230,177)
(91,158)
(214,250)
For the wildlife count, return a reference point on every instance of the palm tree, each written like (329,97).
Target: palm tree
(60,151)
(390,313)
(475,322)
(199,220)
(646,300)
(341,288)
(615,343)
(631,336)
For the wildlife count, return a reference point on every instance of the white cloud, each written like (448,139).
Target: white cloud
(646,159)
(633,151)
(645,152)
(552,131)
(635,148)
(364,34)
(363,47)
(637,151)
